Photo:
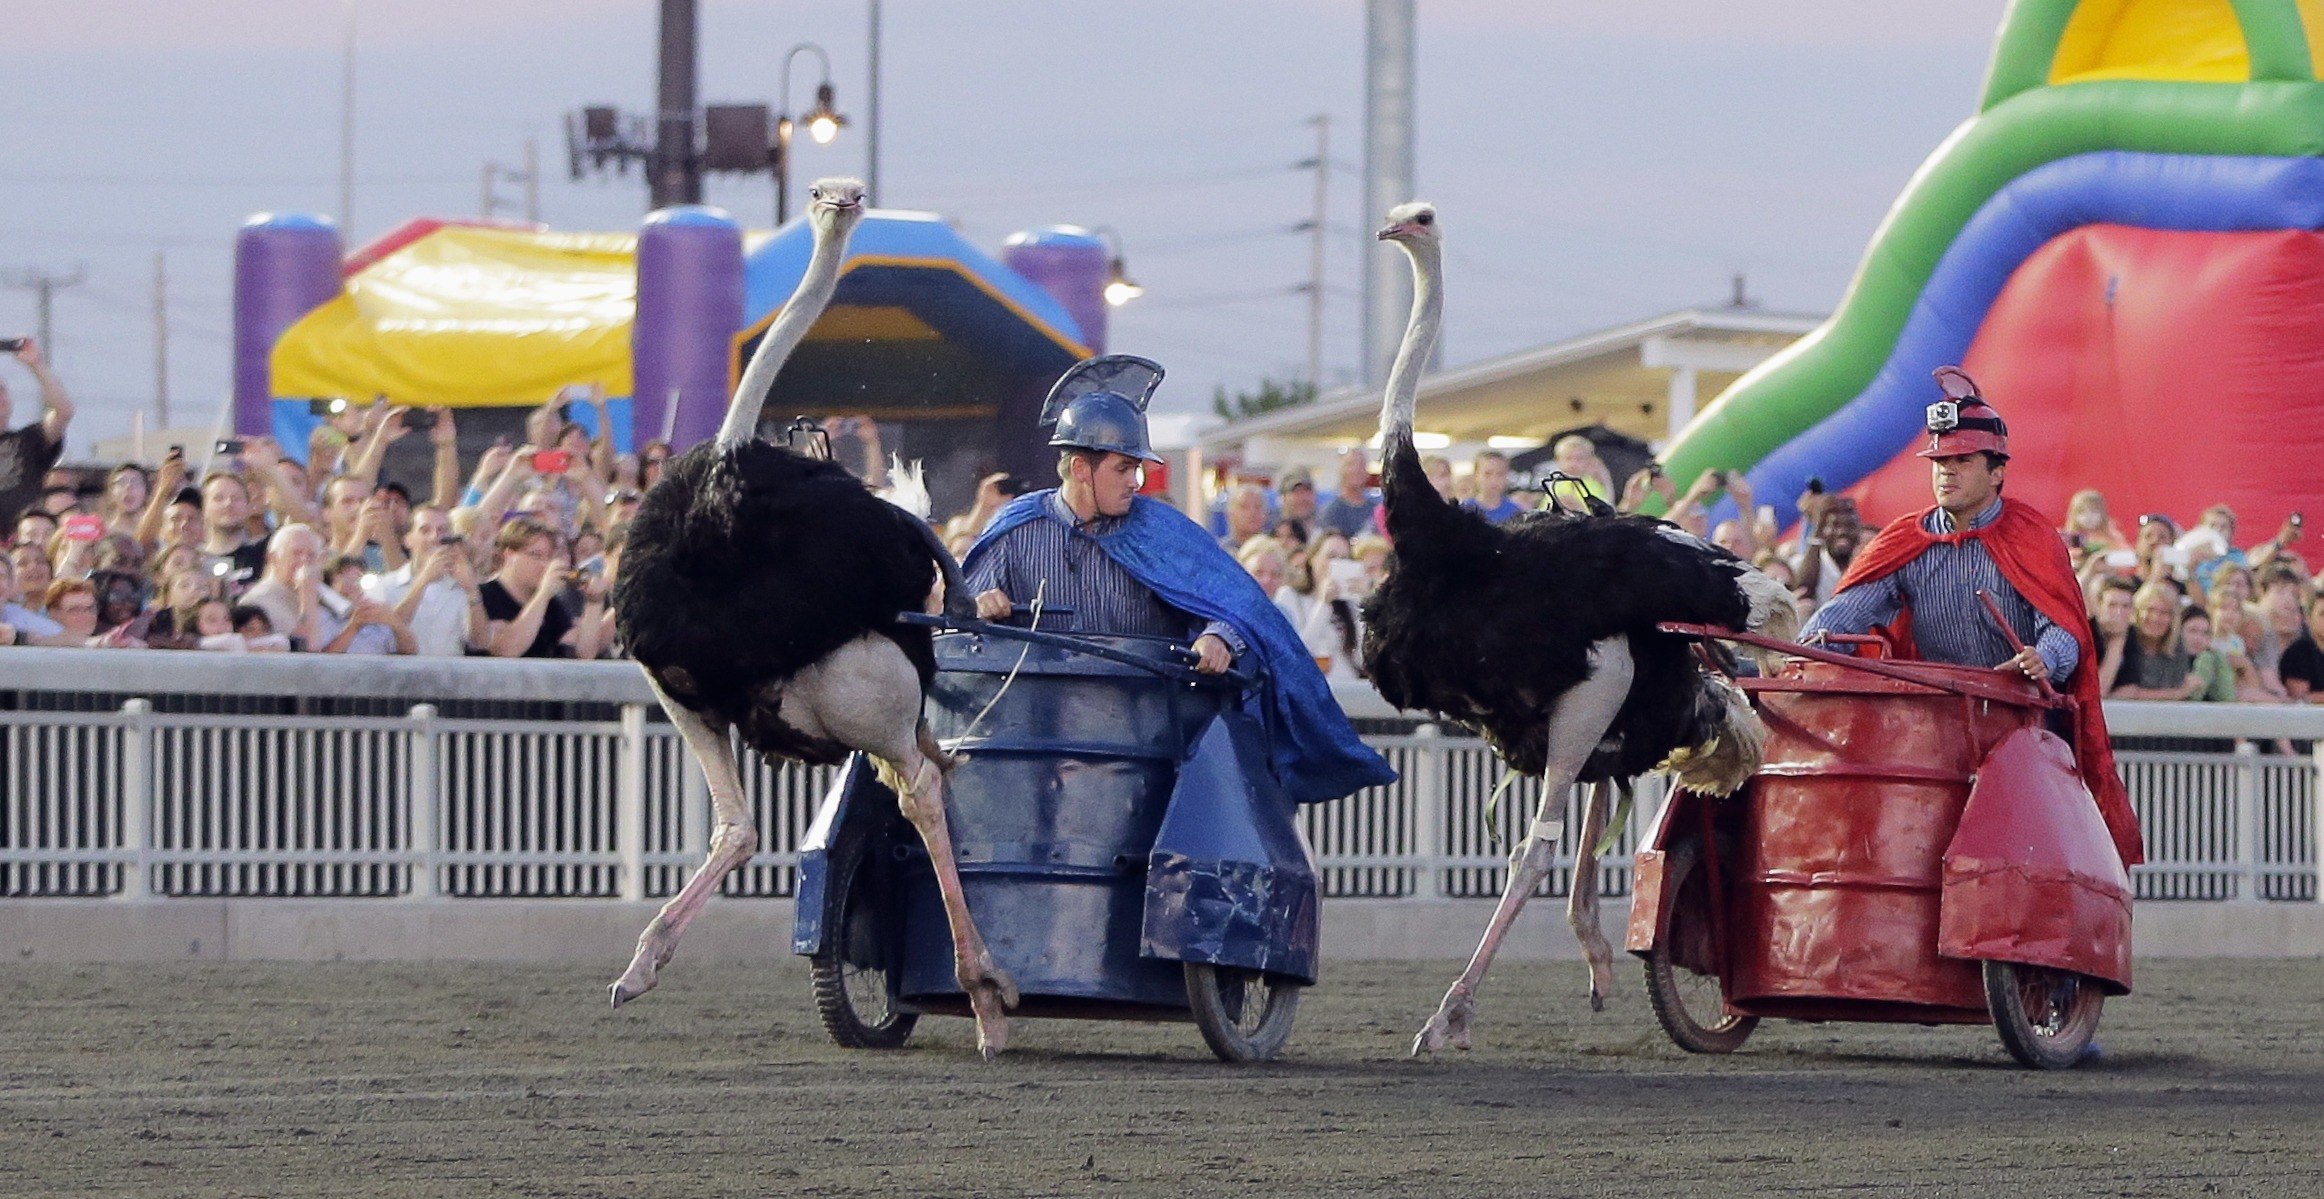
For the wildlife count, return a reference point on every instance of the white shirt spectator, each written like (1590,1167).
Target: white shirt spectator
(440,623)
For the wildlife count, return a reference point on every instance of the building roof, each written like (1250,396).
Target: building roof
(1620,377)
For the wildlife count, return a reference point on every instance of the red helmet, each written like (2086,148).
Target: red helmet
(1962,422)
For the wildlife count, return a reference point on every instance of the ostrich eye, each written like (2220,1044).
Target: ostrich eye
(1426,218)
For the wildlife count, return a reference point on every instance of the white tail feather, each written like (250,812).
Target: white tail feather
(1773,614)
(907,488)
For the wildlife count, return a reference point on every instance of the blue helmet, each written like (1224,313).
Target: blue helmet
(1100,404)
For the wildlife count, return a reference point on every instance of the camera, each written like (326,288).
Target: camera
(418,420)
(227,447)
(1815,485)
(9,345)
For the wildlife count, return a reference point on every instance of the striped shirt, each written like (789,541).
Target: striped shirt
(1949,623)
(1058,559)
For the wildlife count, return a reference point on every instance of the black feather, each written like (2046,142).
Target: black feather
(1490,624)
(745,566)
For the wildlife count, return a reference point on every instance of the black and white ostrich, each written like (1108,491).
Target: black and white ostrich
(1541,632)
(759,590)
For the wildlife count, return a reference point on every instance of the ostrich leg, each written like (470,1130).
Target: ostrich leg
(731,844)
(1576,725)
(1581,903)
(990,989)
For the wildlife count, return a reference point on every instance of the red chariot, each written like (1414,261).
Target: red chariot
(1918,847)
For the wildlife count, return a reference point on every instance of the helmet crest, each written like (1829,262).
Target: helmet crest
(1100,404)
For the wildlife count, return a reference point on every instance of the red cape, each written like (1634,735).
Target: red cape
(2026,546)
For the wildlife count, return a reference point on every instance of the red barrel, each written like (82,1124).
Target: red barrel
(1838,883)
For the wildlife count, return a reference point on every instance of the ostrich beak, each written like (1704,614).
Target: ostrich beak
(1389,233)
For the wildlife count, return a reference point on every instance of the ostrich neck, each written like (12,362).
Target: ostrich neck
(783,336)
(1420,335)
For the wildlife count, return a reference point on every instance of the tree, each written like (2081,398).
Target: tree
(1271,396)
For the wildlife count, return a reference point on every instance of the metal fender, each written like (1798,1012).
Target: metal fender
(2031,875)
(1649,899)
(850,799)
(1230,881)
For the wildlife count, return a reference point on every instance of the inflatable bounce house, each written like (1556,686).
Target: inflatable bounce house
(2122,246)
(949,349)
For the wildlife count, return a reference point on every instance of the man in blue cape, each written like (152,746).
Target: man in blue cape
(1125,564)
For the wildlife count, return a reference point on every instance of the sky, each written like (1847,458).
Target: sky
(1594,163)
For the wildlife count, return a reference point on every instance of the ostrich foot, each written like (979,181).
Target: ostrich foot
(654,948)
(990,993)
(1450,1024)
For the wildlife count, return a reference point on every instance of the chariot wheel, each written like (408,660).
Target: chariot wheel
(1691,1006)
(1245,1015)
(2046,1017)
(853,973)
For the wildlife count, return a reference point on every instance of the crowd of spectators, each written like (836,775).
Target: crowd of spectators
(514,555)
(262,553)
(2190,615)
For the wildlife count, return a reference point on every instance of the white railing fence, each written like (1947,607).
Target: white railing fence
(136,802)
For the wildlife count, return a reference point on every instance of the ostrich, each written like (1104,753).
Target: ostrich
(1542,633)
(759,591)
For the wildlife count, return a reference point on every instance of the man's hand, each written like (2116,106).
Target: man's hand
(1211,654)
(2027,663)
(994,605)
(368,612)
(172,474)
(29,354)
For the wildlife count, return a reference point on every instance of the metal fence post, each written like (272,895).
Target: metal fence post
(629,803)
(136,798)
(423,826)
(2247,831)
(2316,820)
(1428,822)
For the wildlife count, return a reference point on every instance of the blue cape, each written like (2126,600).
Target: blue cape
(1315,751)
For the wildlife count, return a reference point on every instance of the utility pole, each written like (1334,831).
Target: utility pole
(495,174)
(871,146)
(44,287)
(160,340)
(1315,229)
(1388,173)
(347,133)
(674,173)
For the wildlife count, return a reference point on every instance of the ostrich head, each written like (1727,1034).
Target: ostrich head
(1412,225)
(835,204)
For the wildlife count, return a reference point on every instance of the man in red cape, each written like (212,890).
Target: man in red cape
(1924,572)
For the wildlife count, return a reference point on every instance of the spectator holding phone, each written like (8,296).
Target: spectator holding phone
(348,622)
(435,591)
(520,599)
(26,454)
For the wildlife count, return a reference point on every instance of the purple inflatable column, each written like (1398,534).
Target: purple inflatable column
(286,265)
(1069,263)
(689,307)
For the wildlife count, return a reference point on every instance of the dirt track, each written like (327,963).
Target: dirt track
(468,1080)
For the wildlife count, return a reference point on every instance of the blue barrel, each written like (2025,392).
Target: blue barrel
(1053,815)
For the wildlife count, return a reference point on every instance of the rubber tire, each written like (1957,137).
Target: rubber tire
(2005,988)
(1206,995)
(1683,867)
(865,930)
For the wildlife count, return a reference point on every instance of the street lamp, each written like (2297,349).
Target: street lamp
(823,124)
(1120,288)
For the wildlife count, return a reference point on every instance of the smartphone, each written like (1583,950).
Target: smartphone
(1718,478)
(177,451)
(551,462)
(9,345)
(1653,469)
(591,567)
(1013,487)
(2296,519)
(450,539)
(228,447)
(326,405)
(1815,485)
(1346,570)
(418,420)
(2122,559)
(82,526)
